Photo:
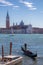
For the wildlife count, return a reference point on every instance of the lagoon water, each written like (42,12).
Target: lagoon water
(34,42)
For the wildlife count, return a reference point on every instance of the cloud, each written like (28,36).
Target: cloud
(28,4)
(7,3)
(16,6)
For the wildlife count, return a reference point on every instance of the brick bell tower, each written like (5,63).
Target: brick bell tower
(7,21)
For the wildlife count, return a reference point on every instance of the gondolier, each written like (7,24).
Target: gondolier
(25,45)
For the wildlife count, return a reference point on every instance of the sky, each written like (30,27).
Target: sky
(30,11)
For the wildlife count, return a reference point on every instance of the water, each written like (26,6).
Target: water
(34,42)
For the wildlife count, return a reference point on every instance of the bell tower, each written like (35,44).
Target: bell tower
(7,21)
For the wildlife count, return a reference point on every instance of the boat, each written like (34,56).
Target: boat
(10,59)
(29,53)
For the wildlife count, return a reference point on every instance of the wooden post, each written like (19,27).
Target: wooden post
(10,48)
(2,52)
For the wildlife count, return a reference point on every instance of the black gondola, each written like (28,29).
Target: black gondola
(29,53)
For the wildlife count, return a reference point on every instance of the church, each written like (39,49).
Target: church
(16,29)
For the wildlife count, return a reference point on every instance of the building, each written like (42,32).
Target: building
(19,29)
(16,29)
(37,30)
(29,29)
(7,21)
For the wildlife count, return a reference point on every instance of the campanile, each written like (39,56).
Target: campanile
(7,21)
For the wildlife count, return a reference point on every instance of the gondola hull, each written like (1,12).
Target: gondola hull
(28,53)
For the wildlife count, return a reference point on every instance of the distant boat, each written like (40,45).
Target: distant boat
(29,53)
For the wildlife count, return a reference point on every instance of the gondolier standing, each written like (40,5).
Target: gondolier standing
(25,45)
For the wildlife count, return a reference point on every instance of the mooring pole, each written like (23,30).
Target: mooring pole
(2,52)
(10,48)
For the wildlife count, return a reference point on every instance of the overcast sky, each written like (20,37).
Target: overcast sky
(30,11)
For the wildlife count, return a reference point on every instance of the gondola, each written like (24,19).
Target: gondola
(29,53)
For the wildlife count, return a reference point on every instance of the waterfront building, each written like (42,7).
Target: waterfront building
(19,29)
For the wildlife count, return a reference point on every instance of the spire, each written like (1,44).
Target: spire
(7,15)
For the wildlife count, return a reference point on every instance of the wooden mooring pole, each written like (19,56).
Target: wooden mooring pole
(10,48)
(2,52)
